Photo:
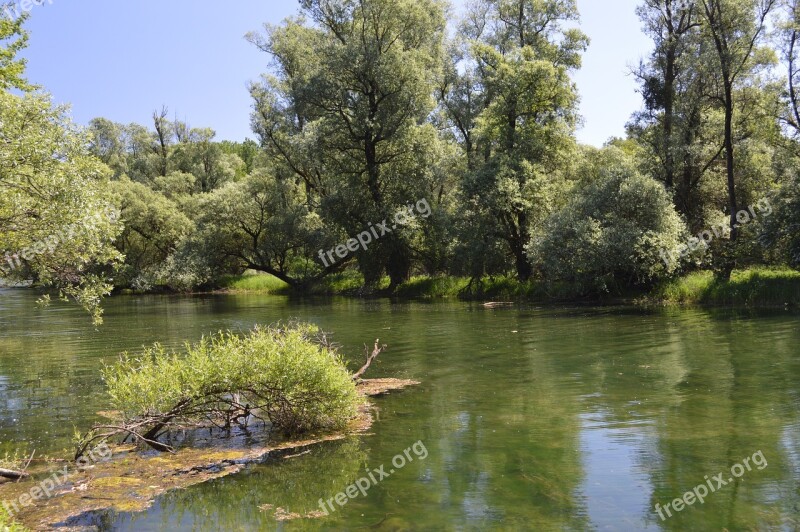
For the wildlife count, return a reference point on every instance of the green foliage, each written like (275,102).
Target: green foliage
(250,282)
(283,373)
(350,282)
(612,232)
(154,228)
(757,287)
(369,107)
(347,114)
(14,39)
(432,287)
(264,224)
(56,212)
(781,231)
(523,125)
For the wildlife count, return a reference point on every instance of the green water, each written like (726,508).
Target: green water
(532,419)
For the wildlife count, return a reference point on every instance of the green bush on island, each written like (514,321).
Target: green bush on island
(287,376)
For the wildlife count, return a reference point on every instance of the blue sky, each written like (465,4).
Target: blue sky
(122,60)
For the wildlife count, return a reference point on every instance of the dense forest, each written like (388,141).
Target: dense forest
(370,109)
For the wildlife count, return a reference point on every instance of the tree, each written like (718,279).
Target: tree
(614,232)
(108,144)
(347,113)
(736,28)
(790,32)
(57,219)
(670,23)
(781,230)
(524,56)
(154,229)
(205,159)
(164,133)
(263,224)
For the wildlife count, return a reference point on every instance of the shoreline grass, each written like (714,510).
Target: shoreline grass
(251,282)
(755,287)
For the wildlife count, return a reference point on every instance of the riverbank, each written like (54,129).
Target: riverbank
(751,288)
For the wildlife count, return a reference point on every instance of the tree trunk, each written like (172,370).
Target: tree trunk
(729,259)
(669,111)
(399,264)
(729,161)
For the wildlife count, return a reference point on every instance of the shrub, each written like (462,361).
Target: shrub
(283,375)
(612,231)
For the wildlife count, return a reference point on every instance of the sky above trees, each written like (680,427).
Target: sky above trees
(123,60)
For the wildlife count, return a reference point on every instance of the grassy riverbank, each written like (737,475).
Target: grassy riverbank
(757,287)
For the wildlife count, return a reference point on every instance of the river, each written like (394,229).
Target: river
(531,418)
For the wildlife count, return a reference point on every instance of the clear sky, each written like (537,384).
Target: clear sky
(122,60)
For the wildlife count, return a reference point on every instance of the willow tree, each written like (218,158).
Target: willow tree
(57,221)
(673,87)
(347,111)
(523,53)
(737,29)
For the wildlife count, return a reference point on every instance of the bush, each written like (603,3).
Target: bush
(283,375)
(612,232)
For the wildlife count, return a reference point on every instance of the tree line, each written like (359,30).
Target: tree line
(371,105)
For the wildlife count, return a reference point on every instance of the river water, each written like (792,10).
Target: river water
(530,418)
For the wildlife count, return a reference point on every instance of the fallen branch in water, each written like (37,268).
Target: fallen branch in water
(377,350)
(13,475)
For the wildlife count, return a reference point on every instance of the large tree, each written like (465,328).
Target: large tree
(347,114)
(737,29)
(57,219)
(522,53)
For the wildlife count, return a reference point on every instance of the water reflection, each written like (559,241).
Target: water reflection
(545,419)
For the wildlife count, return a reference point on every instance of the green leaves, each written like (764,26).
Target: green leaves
(612,231)
(296,383)
(57,218)
(15,39)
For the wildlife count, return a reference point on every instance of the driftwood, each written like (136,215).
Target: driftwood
(377,350)
(13,475)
